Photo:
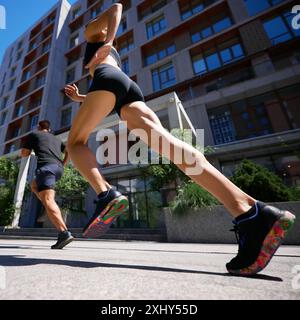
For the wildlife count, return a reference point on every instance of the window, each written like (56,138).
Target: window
(46,46)
(3,118)
(96,11)
(16,132)
(163,77)
(279,29)
(158,55)
(20,110)
(125,66)
(34,121)
(254,7)
(222,126)
(70,75)
(4,77)
(217,57)
(2,90)
(13,71)
(126,45)
(222,24)
(40,81)
(4,103)
(216,27)
(12,84)
(20,45)
(66,117)
(19,55)
(11,148)
(156,26)
(76,13)
(27,75)
(192,7)
(122,26)
(32,46)
(74,41)
(152,7)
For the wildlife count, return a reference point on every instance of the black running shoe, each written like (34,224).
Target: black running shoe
(64,238)
(108,209)
(259,233)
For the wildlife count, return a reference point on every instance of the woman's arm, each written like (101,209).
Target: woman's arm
(110,20)
(73,93)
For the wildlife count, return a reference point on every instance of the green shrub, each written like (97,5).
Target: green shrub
(260,183)
(8,174)
(191,195)
(71,186)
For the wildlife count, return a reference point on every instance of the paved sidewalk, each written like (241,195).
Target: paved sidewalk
(137,270)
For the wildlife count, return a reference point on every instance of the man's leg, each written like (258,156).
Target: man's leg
(48,199)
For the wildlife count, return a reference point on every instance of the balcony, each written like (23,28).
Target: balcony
(31,85)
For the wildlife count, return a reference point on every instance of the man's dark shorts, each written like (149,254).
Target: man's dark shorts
(47,175)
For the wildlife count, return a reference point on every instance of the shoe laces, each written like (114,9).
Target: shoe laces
(240,237)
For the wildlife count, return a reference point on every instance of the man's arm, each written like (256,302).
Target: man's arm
(66,158)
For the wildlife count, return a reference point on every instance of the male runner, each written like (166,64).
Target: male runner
(50,168)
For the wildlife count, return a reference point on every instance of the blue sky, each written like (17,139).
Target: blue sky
(20,15)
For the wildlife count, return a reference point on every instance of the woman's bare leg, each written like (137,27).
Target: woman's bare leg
(96,106)
(138,115)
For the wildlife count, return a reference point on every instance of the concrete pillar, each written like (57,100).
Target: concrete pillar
(238,10)
(20,188)
(263,65)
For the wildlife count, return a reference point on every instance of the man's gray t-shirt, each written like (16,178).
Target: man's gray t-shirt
(46,147)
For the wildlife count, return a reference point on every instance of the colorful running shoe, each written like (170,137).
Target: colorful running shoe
(259,234)
(107,211)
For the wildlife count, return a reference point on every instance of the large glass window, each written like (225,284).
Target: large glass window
(152,7)
(156,26)
(213,28)
(126,45)
(160,54)
(279,29)
(256,6)
(191,7)
(125,66)
(217,57)
(163,77)
(3,118)
(222,127)
(34,122)
(66,117)
(144,203)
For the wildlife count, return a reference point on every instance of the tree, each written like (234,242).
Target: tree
(71,185)
(8,175)
(260,183)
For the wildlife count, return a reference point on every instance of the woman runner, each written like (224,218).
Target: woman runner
(260,228)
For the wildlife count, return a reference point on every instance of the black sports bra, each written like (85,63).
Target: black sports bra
(91,49)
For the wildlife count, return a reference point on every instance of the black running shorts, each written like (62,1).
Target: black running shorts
(107,77)
(47,175)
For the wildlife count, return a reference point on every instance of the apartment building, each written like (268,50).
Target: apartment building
(234,64)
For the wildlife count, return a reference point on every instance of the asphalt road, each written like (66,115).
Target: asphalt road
(138,270)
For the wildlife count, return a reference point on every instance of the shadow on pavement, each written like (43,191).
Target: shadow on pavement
(14,261)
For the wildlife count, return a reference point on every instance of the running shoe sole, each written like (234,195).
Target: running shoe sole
(270,245)
(63,243)
(106,218)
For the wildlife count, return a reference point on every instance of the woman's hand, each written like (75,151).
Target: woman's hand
(100,55)
(72,92)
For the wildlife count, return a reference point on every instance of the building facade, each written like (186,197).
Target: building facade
(234,64)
